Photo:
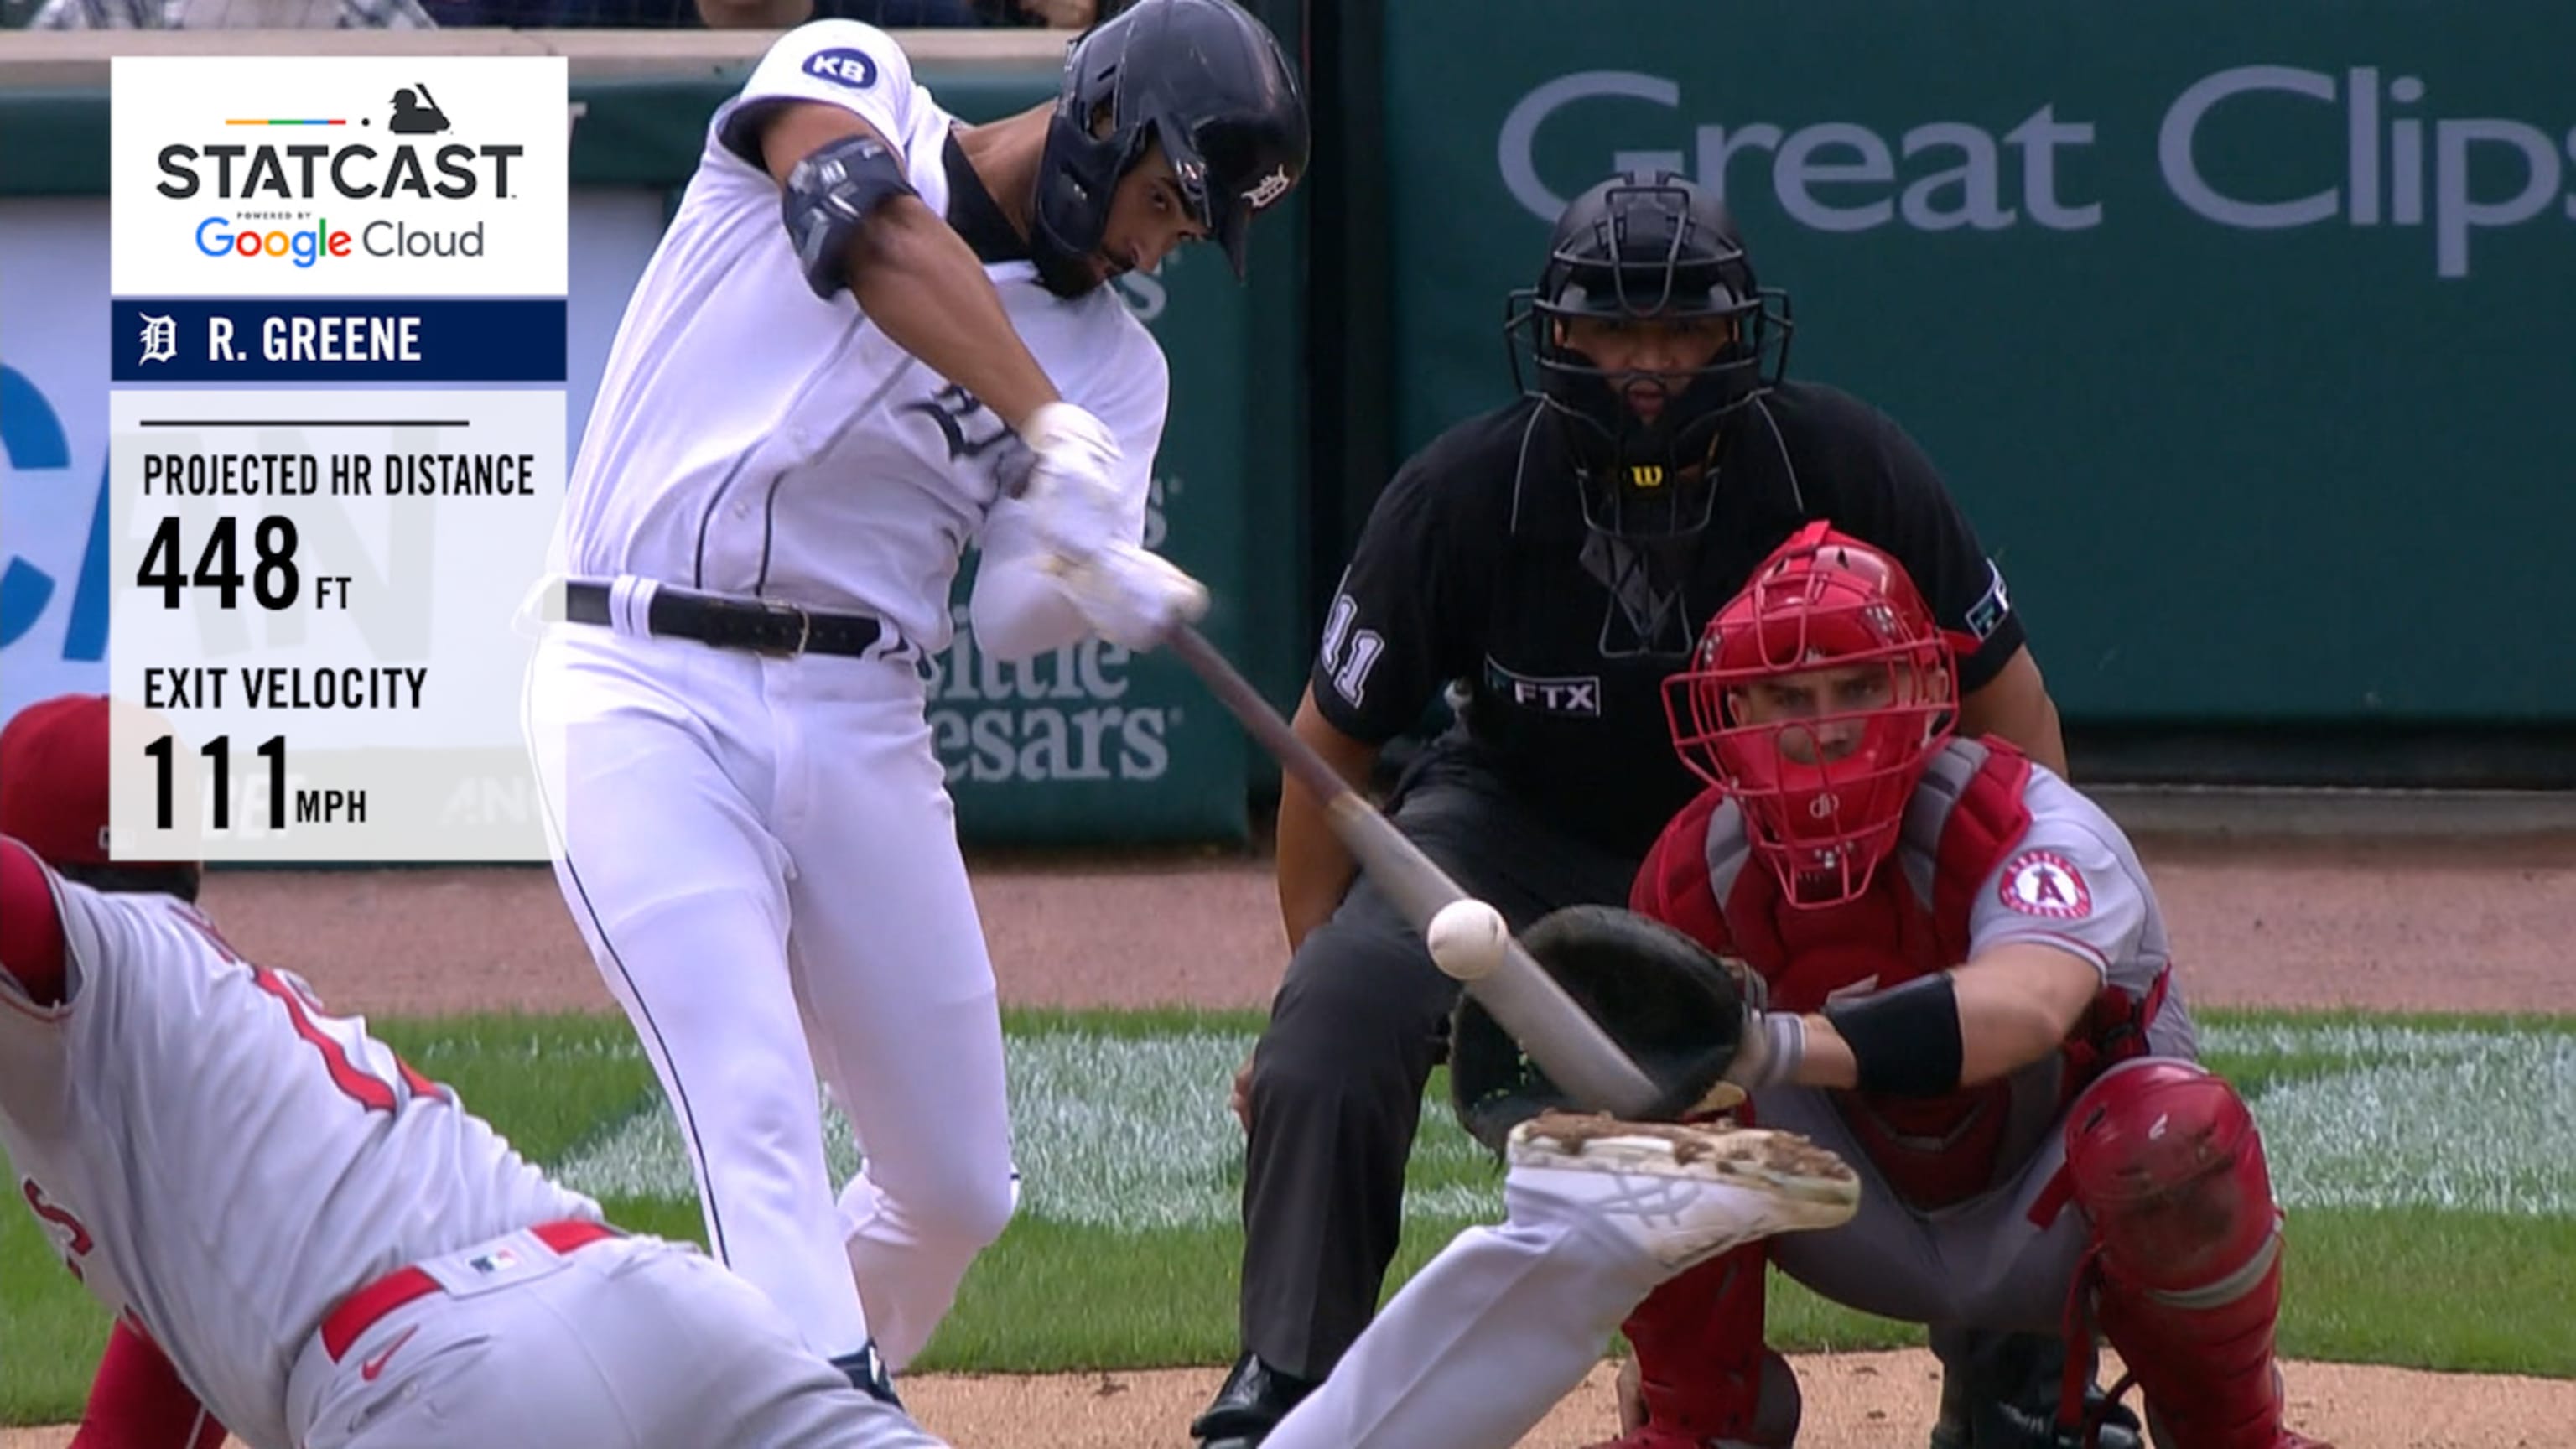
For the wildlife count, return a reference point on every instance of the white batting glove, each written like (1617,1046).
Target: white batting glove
(1130,596)
(1071,497)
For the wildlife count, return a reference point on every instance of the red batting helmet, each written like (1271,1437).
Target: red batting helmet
(1822,768)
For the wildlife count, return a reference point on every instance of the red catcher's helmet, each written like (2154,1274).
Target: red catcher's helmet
(1822,768)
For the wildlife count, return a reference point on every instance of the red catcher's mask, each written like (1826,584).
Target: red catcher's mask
(1815,699)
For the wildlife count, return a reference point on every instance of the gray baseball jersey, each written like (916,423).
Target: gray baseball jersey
(2071,880)
(220,1162)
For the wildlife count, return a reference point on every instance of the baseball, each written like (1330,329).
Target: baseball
(1466,939)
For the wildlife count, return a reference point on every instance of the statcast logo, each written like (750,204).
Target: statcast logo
(254,169)
(1060,716)
(217,236)
(2455,176)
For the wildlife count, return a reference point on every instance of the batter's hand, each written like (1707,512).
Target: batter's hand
(1072,457)
(1131,596)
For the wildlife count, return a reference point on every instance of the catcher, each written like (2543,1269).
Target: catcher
(1959,984)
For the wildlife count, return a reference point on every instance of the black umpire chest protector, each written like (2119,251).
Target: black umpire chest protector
(1582,629)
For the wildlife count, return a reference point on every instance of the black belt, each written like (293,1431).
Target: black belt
(761,626)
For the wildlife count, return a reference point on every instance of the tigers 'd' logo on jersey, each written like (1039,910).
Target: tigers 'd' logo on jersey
(2042,883)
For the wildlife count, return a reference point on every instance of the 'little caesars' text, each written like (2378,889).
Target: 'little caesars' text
(1059,716)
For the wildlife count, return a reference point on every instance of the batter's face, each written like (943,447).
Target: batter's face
(1649,359)
(1147,219)
(1835,700)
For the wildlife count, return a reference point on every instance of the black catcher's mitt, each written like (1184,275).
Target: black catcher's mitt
(1675,1007)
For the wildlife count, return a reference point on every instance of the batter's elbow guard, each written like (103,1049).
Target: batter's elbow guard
(829,197)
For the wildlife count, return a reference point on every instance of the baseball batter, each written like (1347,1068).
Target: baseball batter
(860,314)
(324,1247)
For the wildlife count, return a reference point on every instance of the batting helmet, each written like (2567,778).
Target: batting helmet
(1205,80)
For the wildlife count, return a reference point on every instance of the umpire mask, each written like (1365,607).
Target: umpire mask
(1646,329)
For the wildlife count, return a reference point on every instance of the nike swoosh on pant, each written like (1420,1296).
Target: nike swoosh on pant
(371,1368)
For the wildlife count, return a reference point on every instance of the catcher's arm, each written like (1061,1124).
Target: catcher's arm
(2008,1008)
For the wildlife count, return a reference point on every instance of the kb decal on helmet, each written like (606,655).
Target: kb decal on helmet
(1202,79)
(1815,700)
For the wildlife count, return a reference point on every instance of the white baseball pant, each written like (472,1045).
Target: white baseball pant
(762,854)
(1479,1345)
(1475,1349)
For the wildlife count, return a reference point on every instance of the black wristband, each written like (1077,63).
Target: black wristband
(1905,1040)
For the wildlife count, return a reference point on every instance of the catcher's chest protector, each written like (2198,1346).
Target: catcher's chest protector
(1969,813)
(1966,816)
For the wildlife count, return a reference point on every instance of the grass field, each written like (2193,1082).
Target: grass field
(2429,1165)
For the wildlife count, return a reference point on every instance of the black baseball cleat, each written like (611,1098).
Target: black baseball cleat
(1254,1399)
(867,1373)
(2000,1391)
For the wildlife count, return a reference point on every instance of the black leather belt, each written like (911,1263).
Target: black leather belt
(763,626)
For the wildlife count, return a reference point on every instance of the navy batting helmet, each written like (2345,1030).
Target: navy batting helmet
(1205,80)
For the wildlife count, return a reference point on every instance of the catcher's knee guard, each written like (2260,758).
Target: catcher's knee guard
(2164,1161)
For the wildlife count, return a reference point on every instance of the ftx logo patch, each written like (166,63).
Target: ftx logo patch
(1577,695)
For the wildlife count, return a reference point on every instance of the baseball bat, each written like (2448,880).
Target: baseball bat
(1558,1034)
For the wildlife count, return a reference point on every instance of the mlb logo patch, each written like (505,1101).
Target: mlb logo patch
(499,1260)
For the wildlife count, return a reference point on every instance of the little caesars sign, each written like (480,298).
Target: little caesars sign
(2399,163)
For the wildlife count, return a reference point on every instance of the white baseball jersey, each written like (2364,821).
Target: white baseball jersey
(751,438)
(221,1163)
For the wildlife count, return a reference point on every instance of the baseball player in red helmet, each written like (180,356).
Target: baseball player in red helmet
(300,1236)
(1970,1000)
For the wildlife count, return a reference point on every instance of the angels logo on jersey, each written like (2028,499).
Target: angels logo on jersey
(2040,883)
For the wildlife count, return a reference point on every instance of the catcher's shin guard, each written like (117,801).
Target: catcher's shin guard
(1699,1199)
(2165,1162)
(1703,1375)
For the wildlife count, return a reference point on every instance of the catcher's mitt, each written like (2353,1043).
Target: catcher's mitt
(1670,1002)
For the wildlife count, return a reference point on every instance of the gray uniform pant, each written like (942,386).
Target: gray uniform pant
(1338,1078)
(1977,1265)
(631,1343)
